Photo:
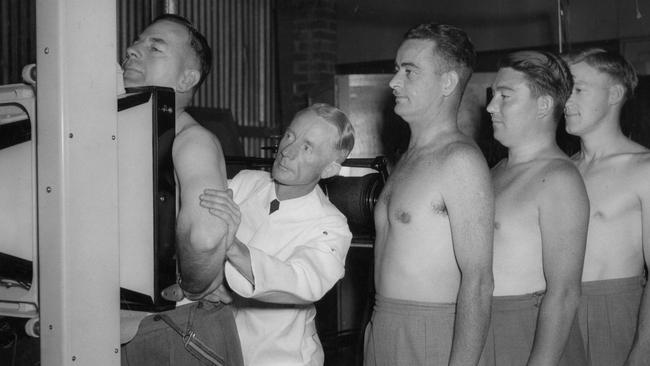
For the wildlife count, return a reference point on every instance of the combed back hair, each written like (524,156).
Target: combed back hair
(545,73)
(610,63)
(198,43)
(453,48)
(340,120)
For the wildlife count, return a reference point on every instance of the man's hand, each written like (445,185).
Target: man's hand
(220,204)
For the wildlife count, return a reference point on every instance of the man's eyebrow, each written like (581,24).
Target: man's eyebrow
(502,87)
(405,64)
(158,41)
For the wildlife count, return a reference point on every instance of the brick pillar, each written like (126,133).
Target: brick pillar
(308,53)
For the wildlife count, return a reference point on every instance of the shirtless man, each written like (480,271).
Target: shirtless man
(172,53)
(616,172)
(434,217)
(541,215)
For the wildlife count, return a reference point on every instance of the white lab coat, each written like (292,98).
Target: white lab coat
(297,255)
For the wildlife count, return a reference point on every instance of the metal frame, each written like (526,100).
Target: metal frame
(77,182)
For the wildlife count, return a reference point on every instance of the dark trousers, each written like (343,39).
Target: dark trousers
(157,344)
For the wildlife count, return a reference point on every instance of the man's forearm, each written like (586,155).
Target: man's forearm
(472,321)
(239,256)
(554,322)
(641,346)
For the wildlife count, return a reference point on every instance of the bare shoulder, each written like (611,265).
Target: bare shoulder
(639,172)
(641,160)
(192,138)
(197,153)
(463,157)
(560,175)
(465,174)
(460,150)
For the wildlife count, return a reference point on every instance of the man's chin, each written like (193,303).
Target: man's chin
(133,79)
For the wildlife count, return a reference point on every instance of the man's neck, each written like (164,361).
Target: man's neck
(605,140)
(540,148)
(283,192)
(425,131)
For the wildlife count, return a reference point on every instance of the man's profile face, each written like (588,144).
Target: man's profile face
(512,108)
(417,80)
(158,57)
(306,148)
(589,101)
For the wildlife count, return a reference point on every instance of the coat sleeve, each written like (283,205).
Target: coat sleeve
(316,263)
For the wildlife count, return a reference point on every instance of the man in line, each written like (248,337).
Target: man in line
(172,53)
(541,216)
(434,217)
(616,172)
(291,241)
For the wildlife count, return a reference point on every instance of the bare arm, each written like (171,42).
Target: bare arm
(563,220)
(220,203)
(641,346)
(200,244)
(470,205)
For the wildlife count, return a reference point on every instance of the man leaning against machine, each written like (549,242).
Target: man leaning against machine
(170,52)
(614,312)
(541,216)
(434,217)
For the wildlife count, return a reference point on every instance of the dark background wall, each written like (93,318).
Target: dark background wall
(371,29)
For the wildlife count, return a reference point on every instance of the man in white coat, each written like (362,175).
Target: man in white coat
(290,243)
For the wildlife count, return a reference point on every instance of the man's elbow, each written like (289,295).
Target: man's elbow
(481,283)
(206,238)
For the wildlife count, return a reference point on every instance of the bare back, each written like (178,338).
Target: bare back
(619,193)
(540,220)
(415,254)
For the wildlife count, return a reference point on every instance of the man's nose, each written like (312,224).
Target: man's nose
(491,107)
(288,151)
(395,81)
(132,51)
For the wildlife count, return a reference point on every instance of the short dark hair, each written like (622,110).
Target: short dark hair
(340,120)
(198,43)
(545,73)
(610,63)
(453,48)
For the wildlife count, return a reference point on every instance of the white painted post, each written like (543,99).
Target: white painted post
(77,182)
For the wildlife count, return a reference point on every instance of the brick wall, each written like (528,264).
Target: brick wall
(307,43)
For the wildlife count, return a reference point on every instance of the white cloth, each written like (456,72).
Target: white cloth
(297,255)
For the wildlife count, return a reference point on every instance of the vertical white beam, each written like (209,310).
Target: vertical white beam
(77,182)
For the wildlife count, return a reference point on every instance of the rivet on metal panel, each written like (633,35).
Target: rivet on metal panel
(74,358)
(113,137)
(46,50)
(70,135)
(48,190)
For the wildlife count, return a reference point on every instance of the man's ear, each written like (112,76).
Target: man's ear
(545,105)
(616,94)
(330,170)
(449,82)
(188,80)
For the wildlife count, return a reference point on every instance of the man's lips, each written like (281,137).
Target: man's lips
(131,69)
